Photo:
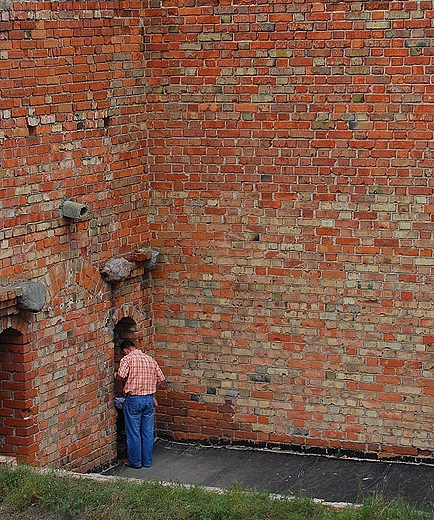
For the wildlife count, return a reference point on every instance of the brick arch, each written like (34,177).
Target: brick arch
(16,322)
(125,311)
(18,413)
(55,279)
(126,322)
(79,272)
(89,277)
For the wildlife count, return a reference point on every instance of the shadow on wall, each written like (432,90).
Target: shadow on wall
(124,329)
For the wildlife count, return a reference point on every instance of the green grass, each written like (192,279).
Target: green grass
(88,499)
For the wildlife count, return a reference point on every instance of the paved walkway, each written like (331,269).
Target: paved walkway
(323,478)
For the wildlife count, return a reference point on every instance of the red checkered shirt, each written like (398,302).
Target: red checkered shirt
(141,372)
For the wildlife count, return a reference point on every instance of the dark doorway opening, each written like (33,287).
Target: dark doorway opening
(124,329)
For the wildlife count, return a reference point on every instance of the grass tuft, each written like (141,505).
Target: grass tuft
(70,498)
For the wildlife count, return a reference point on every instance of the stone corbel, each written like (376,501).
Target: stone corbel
(148,257)
(33,296)
(25,295)
(116,270)
(119,269)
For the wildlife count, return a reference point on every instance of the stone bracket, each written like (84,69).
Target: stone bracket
(25,295)
(118,269)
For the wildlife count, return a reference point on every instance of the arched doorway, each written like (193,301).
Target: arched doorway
(18,425)
(124,329)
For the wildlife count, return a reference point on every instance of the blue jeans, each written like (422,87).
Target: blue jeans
(139,429)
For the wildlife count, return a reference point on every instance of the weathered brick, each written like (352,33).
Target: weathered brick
(287,185)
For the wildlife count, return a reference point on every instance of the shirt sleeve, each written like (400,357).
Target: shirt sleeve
(159,374)
(124,368)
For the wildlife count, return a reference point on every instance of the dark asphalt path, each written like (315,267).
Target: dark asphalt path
(323,478)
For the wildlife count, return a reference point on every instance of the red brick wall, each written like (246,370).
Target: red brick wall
(291,151)
(72,127)
(279,155)
(17,415)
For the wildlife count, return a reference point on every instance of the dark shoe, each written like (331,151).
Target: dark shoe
(127,463)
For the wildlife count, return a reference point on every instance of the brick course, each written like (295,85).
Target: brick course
(292,205)
(71,127)
(279,156)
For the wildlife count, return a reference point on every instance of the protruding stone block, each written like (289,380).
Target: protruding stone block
(33,296)
(116,270)
(152,262)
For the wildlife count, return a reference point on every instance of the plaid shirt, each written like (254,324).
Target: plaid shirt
(141,372)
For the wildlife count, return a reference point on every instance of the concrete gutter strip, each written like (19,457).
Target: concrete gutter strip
(111,478)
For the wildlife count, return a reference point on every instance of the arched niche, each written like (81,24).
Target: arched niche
(18,415)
